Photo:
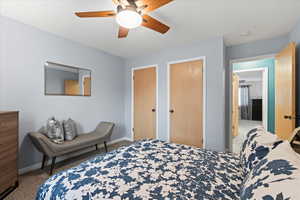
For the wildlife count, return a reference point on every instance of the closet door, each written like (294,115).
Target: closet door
(144,126)
(186,103)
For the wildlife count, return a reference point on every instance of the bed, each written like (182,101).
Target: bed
(149,169)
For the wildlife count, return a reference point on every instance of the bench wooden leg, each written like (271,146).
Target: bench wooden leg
(43,162)
(96,147)
(52,165)
(105,147)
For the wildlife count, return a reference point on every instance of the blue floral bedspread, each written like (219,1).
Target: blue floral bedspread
(149,169)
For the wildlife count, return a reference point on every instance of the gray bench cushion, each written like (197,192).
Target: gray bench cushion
(46,146)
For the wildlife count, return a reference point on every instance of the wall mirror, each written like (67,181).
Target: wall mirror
(67,80)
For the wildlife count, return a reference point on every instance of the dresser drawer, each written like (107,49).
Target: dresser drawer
(8,136)
(8,122)
(8,150)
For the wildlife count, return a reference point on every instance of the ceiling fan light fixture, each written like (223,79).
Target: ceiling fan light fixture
(129,19)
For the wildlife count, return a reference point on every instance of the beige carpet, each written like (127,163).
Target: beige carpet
(29,183)
(244,127)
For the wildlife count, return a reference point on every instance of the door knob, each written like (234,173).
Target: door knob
(153,110)
(288,117)
(291,117)
(171,111)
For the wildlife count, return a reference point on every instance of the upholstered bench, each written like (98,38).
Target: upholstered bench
(52,150)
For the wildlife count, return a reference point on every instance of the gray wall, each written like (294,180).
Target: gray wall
(257,48)
(22,83)
(215,78)
(55,80)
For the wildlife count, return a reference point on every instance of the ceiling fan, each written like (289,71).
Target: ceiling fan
(131,14)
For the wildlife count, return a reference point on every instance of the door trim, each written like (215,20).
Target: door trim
(204,95)
(132,98)
(82,85)
(265,83)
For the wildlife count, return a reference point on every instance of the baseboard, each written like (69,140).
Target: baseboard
(59,159)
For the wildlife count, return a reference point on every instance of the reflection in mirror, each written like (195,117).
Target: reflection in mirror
(66,80)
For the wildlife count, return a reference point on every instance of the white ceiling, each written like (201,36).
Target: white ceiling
(190,20)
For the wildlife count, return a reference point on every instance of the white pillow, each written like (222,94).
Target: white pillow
(276,177)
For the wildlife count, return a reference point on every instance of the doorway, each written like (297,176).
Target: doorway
(186,100)
(249,103)
(281,91)
(144,101)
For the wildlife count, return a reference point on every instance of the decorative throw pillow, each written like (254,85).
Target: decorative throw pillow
(256,146)
(276,177)
(70,129)
(43,130)
(55,131)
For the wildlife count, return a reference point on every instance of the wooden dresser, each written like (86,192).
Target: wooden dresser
(8,152)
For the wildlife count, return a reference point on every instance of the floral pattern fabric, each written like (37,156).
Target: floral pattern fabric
(276,177)
(258,144)
(149,169)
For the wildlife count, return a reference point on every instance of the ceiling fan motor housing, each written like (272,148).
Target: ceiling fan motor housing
(130,7)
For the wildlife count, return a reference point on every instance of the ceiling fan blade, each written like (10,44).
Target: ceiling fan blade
(154,24)
(109,13)
(123,32)
(152,5)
